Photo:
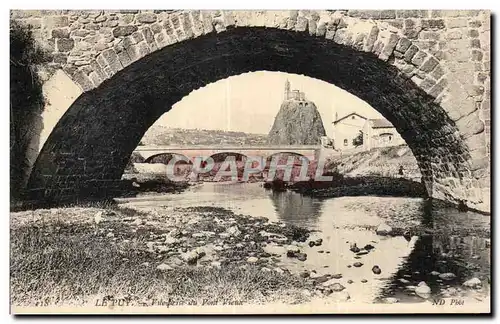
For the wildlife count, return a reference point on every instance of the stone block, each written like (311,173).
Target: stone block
(428,65)
(412,50)
(122,31)
(113,60)
(389,47)
(418,58)
(433,24)
(371,39)
(83,81)
(438,88)
(411,13)
(146,18)
(65,44)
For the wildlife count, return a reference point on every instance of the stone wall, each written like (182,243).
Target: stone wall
(431,77)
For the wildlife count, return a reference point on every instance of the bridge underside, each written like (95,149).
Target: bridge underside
(154,156)
(85,155)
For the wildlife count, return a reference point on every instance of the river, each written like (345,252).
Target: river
(456,242)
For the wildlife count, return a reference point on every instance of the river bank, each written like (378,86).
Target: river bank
(206,255)
(198,254)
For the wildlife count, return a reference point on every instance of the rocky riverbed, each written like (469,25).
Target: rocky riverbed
(182,254)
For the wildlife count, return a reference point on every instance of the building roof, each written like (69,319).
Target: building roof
(348,115)
(380,123)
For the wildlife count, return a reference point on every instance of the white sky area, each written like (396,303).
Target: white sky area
(249,102)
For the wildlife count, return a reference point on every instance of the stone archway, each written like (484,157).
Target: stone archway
(164,158)
(371,59)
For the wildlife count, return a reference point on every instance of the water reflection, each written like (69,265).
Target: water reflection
(466,257)
(436,237)
(296,209)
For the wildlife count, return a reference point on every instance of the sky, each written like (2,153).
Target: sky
(249,102)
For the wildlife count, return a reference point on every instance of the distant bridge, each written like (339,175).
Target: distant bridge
(311,152)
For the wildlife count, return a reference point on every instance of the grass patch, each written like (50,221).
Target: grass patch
(61,263)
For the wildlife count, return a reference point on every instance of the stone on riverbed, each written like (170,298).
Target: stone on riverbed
(301,256)
(473,283)
(423,290)
(447,276)
(164,267)
(192,256)
(376,270)
(357,264)
(252,259)
(314,275)
(335,286)
(340,296)
(233,231)
(390,300)
(435,273)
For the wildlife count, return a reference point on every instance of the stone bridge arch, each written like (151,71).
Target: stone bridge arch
(281,154)
(164,158)
(220,157)
(426,71)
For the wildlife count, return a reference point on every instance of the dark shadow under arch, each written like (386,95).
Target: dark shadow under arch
(164,158)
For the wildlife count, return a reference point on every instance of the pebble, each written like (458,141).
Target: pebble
(383,229)
(391,300)
(145,264)
(369,247)
(435,273)
(404,281)
(376,270)
(311,243)
(447,276)
(354,248)
(337,276)
(357,264)
(423,290)
(301,257)
(337,287)
(164,267)
(252,259)
(318,242)
(364,280)
(110,235)
(215,264)
(362,253)
(350,281)
(293,248)
(322,279)
(473,283)
(341,296)
(314,275)
(321,251)
(304,274)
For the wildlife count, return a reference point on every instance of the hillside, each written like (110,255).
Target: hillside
(381,162)
(161,135)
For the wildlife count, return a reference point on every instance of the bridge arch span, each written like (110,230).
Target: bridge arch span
(298,155)
(128,86)
(220,157)
(164,158)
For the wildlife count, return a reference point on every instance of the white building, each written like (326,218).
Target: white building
(354,131)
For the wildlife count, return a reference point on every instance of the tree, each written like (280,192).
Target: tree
(26,100)
(358,140)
